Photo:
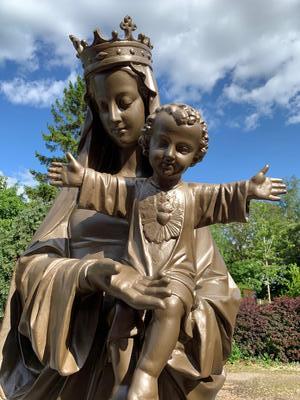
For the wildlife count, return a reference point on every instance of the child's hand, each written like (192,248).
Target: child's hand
(71,174)
(264,188)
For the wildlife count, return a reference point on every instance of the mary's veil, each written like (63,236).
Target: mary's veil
(55,225)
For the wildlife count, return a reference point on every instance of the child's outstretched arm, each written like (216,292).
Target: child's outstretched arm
(262,187)
(229,202)
(111,195)
(68,175)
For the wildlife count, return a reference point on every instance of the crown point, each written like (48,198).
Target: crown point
(97,34)
(115,35)
(128,27)
(76,43)
(145,40)
(98,39)
(103,52)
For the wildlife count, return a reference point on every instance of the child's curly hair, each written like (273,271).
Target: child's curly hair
(183,115)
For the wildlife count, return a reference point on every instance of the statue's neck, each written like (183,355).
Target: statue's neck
(131,159)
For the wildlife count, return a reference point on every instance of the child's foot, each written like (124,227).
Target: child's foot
(143,387)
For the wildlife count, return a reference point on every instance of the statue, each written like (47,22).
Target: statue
(163,212)
(76,314)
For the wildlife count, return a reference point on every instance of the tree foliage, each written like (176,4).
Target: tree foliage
(267,248)
(10,202)
(17,226)
(21,214)
(63,134)
(265,251)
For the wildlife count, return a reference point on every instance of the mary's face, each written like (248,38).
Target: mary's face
(121,108)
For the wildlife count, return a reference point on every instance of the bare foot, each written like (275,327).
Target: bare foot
(143,387)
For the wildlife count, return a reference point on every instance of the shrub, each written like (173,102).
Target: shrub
(14,237)
(270,330)
(236,354)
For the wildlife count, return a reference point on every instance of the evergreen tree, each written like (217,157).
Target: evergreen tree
(21,215)
(63,134)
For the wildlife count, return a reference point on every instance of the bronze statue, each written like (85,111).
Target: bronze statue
(163,212)
(60,337)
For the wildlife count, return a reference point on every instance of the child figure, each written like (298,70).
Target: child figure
(163,212)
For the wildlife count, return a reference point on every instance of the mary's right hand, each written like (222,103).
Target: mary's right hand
(126,284)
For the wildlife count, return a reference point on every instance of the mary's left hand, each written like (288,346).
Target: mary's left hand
(139,292)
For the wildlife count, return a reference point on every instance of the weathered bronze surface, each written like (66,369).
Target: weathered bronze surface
(133,302)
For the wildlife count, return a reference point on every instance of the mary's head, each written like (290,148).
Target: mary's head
(121,93)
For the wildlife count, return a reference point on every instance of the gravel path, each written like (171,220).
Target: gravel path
(257,383)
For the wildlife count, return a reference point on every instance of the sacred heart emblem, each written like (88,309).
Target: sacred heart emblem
(162,216)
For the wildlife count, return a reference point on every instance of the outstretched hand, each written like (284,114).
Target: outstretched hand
(126,284)
(139,292)
(70,175)
(265,188)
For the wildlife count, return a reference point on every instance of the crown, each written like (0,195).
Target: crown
(103,54)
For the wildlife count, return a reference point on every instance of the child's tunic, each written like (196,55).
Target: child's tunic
(162,222)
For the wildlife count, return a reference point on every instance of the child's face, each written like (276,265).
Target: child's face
(173,147)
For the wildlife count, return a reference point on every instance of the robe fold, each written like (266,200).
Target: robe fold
(53,337)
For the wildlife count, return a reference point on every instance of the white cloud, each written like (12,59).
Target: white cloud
(252,45)
(251,121)
(20,178)
(274,84)
(41,93)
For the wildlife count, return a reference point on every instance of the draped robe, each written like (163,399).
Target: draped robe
(54,337)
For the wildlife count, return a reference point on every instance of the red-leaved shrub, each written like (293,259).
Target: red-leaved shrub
(271,330)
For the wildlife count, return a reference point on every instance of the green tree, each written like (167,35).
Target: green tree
(291,201)
(293,285)
(17,225)
(42,191)
(63,134)
(264,253)
(20,215)
(11,206)
(289,249)
(10,202)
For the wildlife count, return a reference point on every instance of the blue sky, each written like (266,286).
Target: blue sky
(237,61)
